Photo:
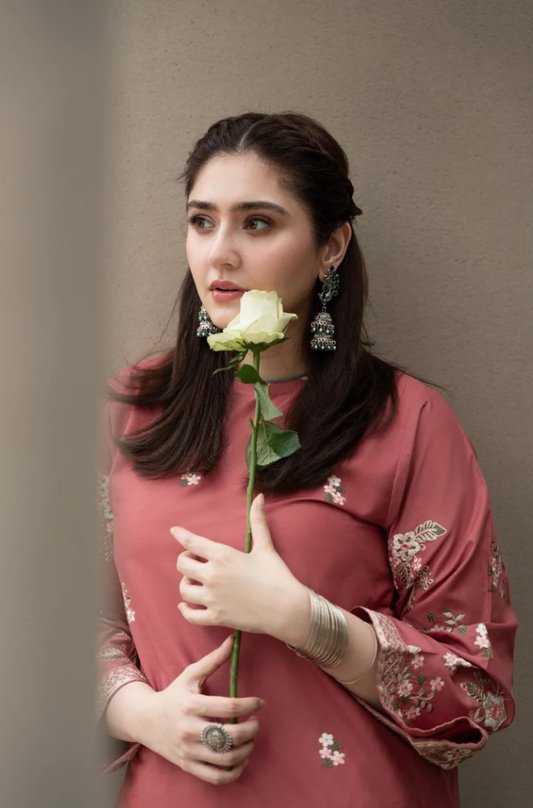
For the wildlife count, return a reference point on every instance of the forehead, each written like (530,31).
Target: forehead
(236,177)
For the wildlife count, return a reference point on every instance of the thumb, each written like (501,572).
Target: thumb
(260,531)
(198,672)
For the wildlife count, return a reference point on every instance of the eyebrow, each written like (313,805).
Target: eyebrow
(239,207)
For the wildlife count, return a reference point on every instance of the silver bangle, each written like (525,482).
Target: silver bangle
(327,640)
(354,681)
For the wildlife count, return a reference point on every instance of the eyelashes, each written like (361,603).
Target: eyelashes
(199,222)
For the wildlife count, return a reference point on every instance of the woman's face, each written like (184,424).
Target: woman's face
(246,232)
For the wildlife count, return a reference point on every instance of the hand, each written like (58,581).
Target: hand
(253,592)
(178,714)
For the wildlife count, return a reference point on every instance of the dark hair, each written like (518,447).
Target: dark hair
(349,392)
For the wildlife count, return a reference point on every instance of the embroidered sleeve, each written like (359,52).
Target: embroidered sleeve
(117,663)
(444,673)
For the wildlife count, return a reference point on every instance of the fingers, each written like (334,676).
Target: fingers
(190,567)
(214,775)
(214,707)
(235,757)
(198,545)
(198,617)
(260,531)
(191,592)
(199,671)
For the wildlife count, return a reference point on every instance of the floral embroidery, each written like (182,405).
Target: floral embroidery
(452,662)
(190,479)
(482,640)
(443,754)
(330,752)
(114,680)
(451,623)
(404,690)
(496,570)
(407,568)
(334,491)
(130,614)
(105,517)
(491,711)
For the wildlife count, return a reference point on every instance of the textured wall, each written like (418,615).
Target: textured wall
(433,102)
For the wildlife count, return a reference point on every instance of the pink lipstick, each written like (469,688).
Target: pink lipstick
(224,291)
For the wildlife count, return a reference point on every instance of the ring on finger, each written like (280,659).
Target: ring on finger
(216,738)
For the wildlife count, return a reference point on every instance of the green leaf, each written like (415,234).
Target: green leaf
(431,617)
(421,679)
(268,408)
(249,375)
(284,442)
(266,456)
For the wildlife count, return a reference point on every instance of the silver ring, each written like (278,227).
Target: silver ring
(216,738)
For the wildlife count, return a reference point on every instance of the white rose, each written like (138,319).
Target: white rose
(260,321)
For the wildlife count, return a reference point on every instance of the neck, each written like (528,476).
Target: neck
(282,361)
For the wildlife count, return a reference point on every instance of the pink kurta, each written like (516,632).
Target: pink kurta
(402,535)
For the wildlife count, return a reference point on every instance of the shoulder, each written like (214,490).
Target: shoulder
(118,417)
(422,408)
(127,378)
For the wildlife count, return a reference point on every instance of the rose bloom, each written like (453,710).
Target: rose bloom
(261,320)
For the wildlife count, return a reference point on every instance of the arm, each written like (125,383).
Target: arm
(444,668)
(116,653)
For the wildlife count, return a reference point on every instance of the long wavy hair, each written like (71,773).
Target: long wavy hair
(349,393)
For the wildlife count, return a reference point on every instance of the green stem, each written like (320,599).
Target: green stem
(249,499)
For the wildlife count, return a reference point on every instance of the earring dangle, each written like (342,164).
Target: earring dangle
(322,326)
(206,325)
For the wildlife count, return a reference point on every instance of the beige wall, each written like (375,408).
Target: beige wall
(432,100)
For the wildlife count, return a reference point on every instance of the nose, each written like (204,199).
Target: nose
(223,250)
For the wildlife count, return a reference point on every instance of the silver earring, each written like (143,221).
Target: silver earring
(322,326)
(206,325)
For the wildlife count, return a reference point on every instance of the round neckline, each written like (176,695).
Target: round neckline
(278,385)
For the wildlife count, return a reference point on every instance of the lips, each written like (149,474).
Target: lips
(226,286)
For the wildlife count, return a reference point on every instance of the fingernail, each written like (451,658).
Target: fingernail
(263,703)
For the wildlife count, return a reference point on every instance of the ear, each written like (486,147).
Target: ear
(334,251)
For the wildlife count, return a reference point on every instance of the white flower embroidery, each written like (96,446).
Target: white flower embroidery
(482,640)
(334,491)
(437,684)
(130,614)
(190,479)
(330,752)
(337,758)
(452,662)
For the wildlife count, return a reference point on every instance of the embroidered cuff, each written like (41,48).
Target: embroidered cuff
(112,682)
(405,693)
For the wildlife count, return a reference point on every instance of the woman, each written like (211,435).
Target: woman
(379,635)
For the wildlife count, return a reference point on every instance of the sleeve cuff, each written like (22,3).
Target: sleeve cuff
(446,744)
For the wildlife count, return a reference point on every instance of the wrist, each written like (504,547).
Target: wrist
(294,617)
(130,711)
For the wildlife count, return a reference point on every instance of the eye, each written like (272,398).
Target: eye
(257,220)
(199,222)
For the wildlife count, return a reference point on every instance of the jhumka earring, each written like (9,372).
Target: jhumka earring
(206,325)
(322,326)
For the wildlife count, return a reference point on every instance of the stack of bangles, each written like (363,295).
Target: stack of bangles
(327,640)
